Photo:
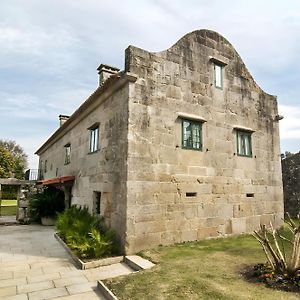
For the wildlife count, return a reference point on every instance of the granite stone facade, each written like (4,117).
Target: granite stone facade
(188,146)
(291,184)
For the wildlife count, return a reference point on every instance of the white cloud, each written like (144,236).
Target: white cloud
(290,125)
(34,41)
(49,51)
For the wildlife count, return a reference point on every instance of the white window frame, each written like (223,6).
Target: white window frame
(218,75)
(94,139)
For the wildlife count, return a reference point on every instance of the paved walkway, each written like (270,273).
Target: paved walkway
(8,220)
(34,266)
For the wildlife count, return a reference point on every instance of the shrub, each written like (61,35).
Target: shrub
(275,252)
(46,203)
(9,192)
(85,234)
(283,266)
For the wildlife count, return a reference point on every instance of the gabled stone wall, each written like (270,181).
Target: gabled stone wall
(230,194)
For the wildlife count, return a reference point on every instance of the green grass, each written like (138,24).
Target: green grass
(9,203)
(208,269)
(8,211)
(8,207)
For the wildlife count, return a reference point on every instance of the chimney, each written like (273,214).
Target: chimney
(105,71)
(63,119)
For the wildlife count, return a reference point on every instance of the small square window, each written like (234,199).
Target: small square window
(218,70)
(191,135)
(244,147)
(94,139)
(67,154)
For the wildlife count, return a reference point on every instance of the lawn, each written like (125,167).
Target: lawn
(208,269)
(9,203)
(8,207)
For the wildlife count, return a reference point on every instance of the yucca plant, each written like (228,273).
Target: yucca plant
(276,254)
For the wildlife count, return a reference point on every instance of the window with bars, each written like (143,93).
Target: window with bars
(244,147)
(192,135)
(94,139)
(67,154)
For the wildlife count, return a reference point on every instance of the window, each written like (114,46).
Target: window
(94,139)
(67,154)
(97,203)
(191,135)
(218,76)
(190,194)
(45,166)
(41,169)
(244,147)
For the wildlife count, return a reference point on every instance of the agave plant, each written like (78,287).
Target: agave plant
(276,256)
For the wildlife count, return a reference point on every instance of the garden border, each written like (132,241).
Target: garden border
(106,292)
(91,264)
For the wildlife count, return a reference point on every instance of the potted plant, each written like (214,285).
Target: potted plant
(45,205)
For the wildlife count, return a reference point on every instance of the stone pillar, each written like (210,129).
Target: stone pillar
(18,201)
(67,192)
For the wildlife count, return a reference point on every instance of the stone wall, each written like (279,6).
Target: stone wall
(23,214)
(230,194)
(291,184)
(103,171)
(24,189)
(154,191)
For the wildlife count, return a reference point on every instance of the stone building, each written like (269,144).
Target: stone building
(182,145)
(291,184)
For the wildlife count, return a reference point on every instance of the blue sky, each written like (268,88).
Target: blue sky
(50,50)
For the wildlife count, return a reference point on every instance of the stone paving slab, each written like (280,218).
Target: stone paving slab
(8,220)
(17,297)
(138,263)
(34,266)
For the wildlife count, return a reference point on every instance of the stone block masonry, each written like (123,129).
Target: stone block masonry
(291,184)
(188,146)
(176,194)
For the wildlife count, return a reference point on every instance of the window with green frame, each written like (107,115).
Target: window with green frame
(244,147)
(218,76)
(192,135)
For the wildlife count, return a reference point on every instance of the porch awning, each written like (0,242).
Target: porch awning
(57,180)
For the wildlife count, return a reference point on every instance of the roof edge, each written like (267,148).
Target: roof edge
(112,84)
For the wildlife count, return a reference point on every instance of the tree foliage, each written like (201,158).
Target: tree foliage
(6,163)
(13,160)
